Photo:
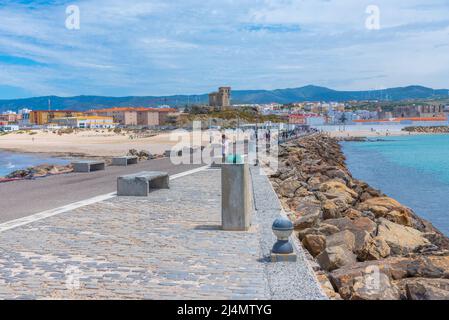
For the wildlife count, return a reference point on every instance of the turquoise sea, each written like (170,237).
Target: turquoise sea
(412,169)
(11,161)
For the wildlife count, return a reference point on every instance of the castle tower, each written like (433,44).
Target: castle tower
(221,99)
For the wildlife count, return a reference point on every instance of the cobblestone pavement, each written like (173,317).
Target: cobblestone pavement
(165,246)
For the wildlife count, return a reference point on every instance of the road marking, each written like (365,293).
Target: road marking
(53,212)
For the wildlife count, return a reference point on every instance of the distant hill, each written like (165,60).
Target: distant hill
(307,93)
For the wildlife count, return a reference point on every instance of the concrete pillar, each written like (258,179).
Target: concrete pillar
(236,199)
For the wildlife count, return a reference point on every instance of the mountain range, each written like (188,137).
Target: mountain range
(307,93)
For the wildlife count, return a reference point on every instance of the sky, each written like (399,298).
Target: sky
(156,47)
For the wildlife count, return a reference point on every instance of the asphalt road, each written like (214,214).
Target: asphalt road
(22,198)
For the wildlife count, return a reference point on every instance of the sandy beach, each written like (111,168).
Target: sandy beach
(87,143)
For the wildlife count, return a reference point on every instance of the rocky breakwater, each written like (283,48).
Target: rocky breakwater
(438,129)
(37,172)
(364,245)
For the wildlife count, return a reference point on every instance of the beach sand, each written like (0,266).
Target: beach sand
(87,143)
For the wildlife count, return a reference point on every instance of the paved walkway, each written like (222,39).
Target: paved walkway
(60,190)
(165,246)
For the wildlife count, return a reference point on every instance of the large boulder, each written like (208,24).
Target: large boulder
(340,190)
(401,239)
(426,289)
(335,257)
(288,188)
(340,223)
(396,268)
(308,206)
(336,173)
(327,229)
(358,224)
(370,248)
(343,238)
(352,213)
(331,210)
(307,221)
(314,243)
(370,286)
(364,224)
(320,229)
(388,208)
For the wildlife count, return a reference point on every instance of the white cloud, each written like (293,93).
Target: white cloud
(147,47)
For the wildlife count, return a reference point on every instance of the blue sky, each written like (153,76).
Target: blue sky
(155,47)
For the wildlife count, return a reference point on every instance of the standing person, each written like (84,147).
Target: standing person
(268,141)
(224,147)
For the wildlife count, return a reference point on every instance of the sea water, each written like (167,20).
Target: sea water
(412,169)
(11,161)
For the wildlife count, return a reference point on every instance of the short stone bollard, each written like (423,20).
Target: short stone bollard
(282,249)
(236,200)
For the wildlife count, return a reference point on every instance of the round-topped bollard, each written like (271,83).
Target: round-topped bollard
(282,229)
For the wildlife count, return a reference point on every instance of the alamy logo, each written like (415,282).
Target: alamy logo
(73,275)
(372,22)
(73,20)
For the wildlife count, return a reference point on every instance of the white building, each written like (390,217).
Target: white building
(87,122)
(9,128)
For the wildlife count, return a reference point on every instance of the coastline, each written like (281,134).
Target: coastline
(89,143)
(347,227)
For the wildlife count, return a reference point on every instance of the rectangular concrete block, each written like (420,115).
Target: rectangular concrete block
(237,203)
(88,166)
(139,184)
(124,161)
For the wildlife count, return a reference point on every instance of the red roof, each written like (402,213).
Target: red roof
(123,109)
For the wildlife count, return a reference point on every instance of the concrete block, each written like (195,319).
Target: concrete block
(124,161)
(88,166)
(139,184)
(237,203)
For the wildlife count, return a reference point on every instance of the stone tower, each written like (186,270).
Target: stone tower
(220,99)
